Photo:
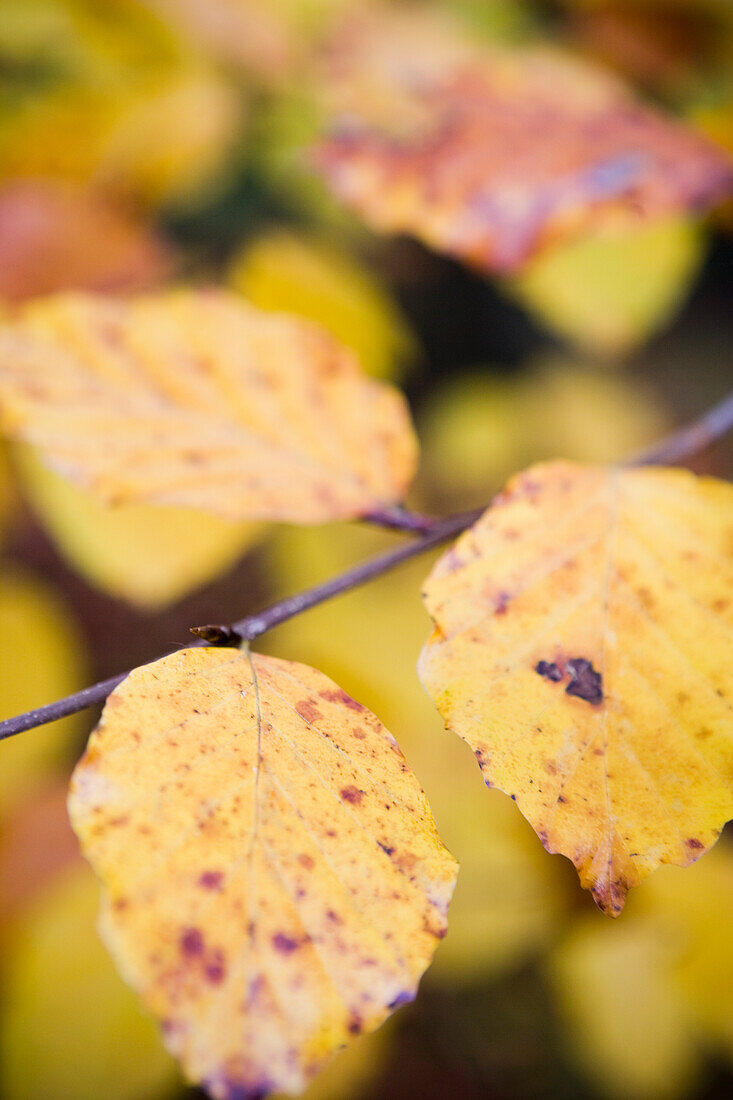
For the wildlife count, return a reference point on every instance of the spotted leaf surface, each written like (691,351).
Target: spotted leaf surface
(489,154)
(583,650)
(195,398)
(273,881)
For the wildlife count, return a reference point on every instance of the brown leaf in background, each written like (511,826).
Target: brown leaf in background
(489,154)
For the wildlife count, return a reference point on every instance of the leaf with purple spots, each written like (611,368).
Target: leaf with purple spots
(273,880)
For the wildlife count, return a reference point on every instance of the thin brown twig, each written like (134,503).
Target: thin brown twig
(695,437)
(254,625)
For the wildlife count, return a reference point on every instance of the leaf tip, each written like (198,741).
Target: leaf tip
(609,894)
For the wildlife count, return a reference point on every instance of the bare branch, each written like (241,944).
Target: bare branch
(88,697)
(254,625)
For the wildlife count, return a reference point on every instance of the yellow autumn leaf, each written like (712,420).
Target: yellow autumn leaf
(42,659)
(644,1004)
(196,399)
(610,293)
(311,278)
(582,649)
(509,897)
(693,912)
(69,1027)
(173,142)
(87,43)
(274,883)
(588,415)
(143,553)
(130,143)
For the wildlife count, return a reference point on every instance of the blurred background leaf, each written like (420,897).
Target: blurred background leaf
(109,95)
(314,278)
(147,555)
(582,290)
(99,1043)
(646,1004)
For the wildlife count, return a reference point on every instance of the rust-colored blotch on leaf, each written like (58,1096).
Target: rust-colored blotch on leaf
(583,650)
(488,153)
(197,399)
(274,884)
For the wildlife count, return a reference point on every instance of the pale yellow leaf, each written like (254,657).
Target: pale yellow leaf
(274,883)
(41,659)
(583,650)
(477,428)
(196,399)
(173,141)
(69,1028)
(588,415)
(143,553)
(609,294)
(624,1022)
(693,910)
(509,897)
(645,1003)
(106,94)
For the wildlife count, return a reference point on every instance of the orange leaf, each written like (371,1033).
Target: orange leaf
(489,154)
(274,884)
(583,650)
(194,398)
(54,236)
